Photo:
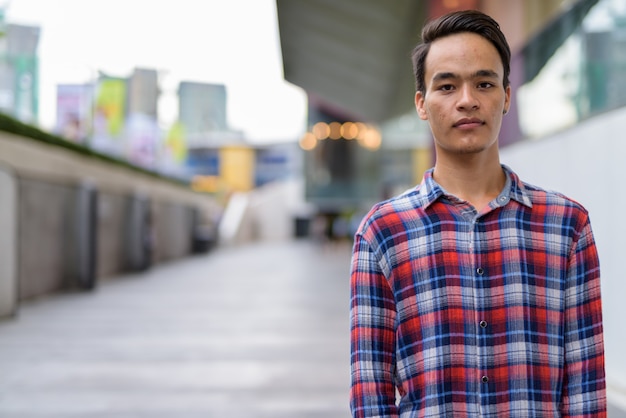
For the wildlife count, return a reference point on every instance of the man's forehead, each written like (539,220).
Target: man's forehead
(463,54)
(464,44)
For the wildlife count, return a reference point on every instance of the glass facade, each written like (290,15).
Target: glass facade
(586,74)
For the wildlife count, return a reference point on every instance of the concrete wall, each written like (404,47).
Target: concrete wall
(588,163)
(172,237)
(111,225)
(78,220)
(42,225)
(8,243)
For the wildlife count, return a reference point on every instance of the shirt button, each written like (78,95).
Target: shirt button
(483,324)
(480,271)
(502,199)
(485,379)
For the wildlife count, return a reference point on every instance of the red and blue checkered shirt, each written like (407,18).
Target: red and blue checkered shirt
(491,314)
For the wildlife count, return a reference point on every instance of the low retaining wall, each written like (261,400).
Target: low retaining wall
(8,243)
(69,220)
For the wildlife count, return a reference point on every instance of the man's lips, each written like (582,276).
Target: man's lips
(468,123)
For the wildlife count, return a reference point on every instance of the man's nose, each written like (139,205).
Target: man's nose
(467,98)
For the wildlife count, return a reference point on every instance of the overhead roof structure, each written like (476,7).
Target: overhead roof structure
(352,56)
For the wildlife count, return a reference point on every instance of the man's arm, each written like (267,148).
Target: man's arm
(372,330)
(584,387)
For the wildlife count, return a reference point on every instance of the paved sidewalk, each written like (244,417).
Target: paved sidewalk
(253,332)
(258,331)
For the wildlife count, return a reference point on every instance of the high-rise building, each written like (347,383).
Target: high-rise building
(143,92)
(202,108)
(19,90)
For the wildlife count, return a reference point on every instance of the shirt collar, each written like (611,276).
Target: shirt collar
(516,191)
(430,190)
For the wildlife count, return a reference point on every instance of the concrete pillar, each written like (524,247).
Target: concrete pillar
(81,243)
(8,242)
(138,233)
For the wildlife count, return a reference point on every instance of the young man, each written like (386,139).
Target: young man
(474,294)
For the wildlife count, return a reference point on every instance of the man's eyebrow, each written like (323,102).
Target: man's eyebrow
(444,76)
(486,73)
(480,73)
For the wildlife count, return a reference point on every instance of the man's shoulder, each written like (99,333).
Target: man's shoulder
(394,209)
(543,197)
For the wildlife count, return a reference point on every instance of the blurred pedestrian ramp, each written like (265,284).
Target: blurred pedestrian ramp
(267,213)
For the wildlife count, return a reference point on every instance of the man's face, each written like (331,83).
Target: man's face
(465,98)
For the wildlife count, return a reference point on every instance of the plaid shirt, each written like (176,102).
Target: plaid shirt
(491,314)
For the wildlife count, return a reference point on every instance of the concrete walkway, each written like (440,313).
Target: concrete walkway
(255,331)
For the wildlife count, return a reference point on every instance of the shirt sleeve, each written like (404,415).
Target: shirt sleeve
(584,387)
(372,331)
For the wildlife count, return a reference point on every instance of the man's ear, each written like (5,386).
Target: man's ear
(507,99)
(419,106)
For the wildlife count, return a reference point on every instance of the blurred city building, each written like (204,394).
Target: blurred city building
(19,76)
(217,156)
(143,92)
(202,108)
(221,159)
(142,129)
(118,116)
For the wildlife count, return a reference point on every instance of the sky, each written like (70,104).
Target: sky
(230,42)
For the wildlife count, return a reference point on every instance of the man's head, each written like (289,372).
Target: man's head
(471,21)
(462,70)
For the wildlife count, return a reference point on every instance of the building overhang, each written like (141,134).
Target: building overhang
(352,57)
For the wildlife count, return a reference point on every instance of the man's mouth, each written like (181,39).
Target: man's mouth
(468,123)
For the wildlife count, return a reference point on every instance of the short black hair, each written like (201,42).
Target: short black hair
(471,21)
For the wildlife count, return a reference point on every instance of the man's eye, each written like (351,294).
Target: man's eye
(446,87)
(485,85)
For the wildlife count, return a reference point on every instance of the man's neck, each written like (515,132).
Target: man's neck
(475,180)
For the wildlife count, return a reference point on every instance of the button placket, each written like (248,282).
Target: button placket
(480,292)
